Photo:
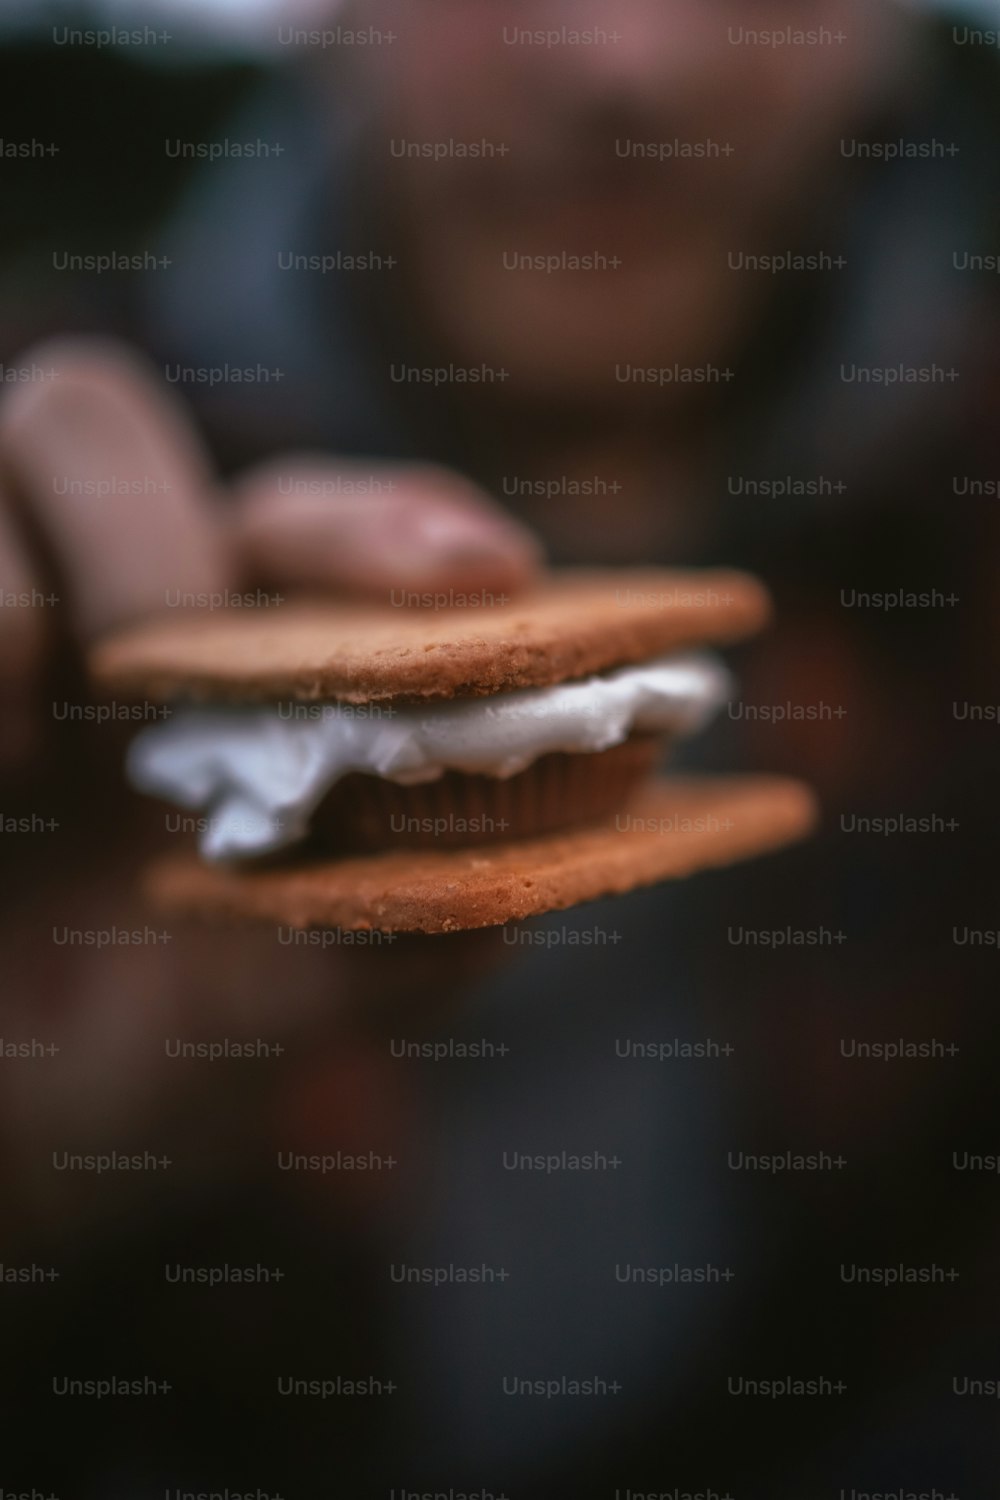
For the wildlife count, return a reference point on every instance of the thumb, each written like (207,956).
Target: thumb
(371,529)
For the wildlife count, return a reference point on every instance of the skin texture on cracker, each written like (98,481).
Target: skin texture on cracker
(573,623)
(675,827)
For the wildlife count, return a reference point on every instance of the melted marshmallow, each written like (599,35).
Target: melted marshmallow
(261,771)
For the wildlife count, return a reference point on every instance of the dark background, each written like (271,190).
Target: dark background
(671,973)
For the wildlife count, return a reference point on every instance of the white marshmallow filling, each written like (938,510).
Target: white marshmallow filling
(258,772)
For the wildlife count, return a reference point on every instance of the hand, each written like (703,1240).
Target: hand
(109,510)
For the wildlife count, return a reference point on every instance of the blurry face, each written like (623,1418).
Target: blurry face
(657,136)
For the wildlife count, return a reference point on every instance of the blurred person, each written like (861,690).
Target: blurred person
(675,402)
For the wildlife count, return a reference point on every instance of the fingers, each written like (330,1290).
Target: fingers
(111,475)
(315,521)
(23,603)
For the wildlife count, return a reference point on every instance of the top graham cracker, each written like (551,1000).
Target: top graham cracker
(570,624)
